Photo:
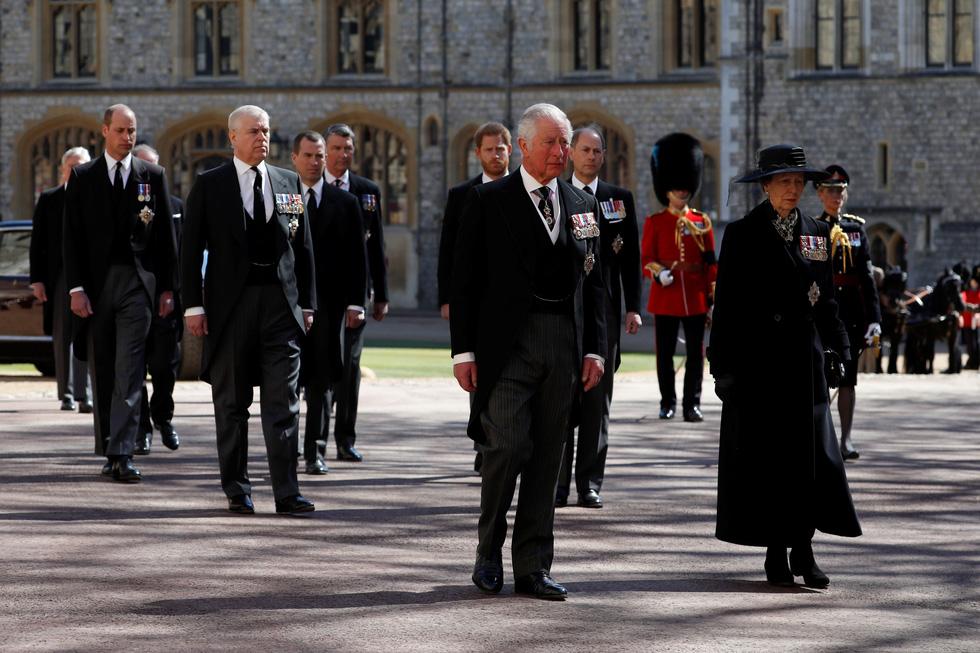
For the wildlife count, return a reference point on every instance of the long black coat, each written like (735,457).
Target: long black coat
(450,227)
(493,274)
(46,254)
(780,473)
(371,210)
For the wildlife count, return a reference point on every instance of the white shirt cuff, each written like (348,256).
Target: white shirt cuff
(75,290)
(465,357)
(307,311)
(352,307)
(598,358)
(194,310)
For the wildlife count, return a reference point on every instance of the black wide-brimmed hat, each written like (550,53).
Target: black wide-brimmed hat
(777,159)
(676,163)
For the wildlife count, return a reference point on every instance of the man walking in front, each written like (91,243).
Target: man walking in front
(526,311)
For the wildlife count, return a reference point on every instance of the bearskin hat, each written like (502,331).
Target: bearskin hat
(676,163)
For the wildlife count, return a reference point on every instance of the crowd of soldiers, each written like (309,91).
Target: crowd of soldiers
(537,277)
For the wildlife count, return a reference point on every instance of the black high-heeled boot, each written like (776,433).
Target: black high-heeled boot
(802,563)
(777,570)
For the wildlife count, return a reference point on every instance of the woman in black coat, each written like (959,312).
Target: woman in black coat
(774,327)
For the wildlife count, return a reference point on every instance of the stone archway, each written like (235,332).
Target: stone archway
(192,146)
(888,246)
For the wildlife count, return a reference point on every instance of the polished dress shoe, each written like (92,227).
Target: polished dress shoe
(294,505)
(349,453)
(124,471)
(848,452)
(667,413)
(85,407)
(590,499)
(561,501)
(107,468)
(242,505)
(67,404)
(142,447)
(693,414)
(168,436)
(488,573)
(317,467)
(540,585)
(777,569)
(802,563)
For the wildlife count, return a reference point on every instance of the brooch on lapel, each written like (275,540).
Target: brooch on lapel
(813,248)
(589,262)
(814,293)
(613,210)
(369,202)
(584,226)
(617,243)
(289,203)
(143,193)
(367,235)
(293,227)
(146,215)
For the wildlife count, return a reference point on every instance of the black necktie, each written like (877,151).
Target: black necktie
(311,204)
(339,183)
(588,189)
(117,183)
(258,199)
(545,206)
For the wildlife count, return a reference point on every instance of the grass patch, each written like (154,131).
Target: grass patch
(18,369)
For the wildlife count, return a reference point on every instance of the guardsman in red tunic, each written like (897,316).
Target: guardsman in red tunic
(678,254)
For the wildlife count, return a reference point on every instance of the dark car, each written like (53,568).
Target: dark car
(22,337)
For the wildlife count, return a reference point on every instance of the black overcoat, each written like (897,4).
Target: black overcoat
(450,227)
(372,212)
(780,472)
(46,255)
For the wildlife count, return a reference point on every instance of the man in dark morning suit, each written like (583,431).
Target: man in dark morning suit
(48,284)
(493,147)
(527,310)
(340,155)
(337,231)
(162,350)
(258,298)
(620,256)
(120,254)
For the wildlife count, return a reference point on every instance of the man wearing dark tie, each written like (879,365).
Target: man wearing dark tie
(493,147)
(340,156)
(337,231)
(48,284)
(120,253)
(620,244)
(258,299)
(527,311)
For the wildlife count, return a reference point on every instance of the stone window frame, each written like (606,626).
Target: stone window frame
(331,40)
(703,57)
(802,37)
(949,17)
(44,42)
(189,68)
(839,50)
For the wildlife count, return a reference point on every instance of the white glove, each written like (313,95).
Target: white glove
(666,278)
(874,329)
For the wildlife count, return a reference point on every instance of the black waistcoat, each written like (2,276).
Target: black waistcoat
(261,239)
(554,268)
(121,252)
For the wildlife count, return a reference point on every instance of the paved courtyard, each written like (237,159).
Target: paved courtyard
(384,562)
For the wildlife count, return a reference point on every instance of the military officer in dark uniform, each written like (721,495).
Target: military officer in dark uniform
(776,345)
(856,291)
(620,256)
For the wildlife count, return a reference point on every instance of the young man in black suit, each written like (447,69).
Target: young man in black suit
(48,284)
(258,299)
(340,156)
(527,310)
(120,253)
(620,243)
(337,231)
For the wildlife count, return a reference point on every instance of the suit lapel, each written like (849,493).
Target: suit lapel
(101,171)
(521,219)
(230,193)
(571,204)
(280,186)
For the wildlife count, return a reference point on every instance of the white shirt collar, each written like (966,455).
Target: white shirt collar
(127,161)
(317,189)
(531,184)
(243,167)
(344,178)
(578,183)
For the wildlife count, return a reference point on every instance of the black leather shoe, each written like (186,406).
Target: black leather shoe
(85,407)
(667,413)
(67,404)
(107,468)
(168,436)
(294,505)
(488,574)
(478,462)
(124,471)
(777,569)
(590,499)
(540,585)
(242,505)
(349,453)
(802,563)
(317,467)
(142,447)
(693,414)
(561,501)
(848,452)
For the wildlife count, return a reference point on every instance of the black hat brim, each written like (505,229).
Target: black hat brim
(809,174)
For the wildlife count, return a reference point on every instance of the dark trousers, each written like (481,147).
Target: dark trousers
(70,373)
(666,327)
(347,391)
(319,398)
(593,435)
(260,344)
(526,421)
(116,350)
(162,360)
(970,343)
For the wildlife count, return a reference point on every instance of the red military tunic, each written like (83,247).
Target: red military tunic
(684,243)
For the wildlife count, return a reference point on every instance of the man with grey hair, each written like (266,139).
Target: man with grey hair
(526,310)
(48,283)
(254,304)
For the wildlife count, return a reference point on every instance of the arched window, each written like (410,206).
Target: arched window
(382,156)
(617,168)
(195,151)
(46,151)
(431,131)
(357,28)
